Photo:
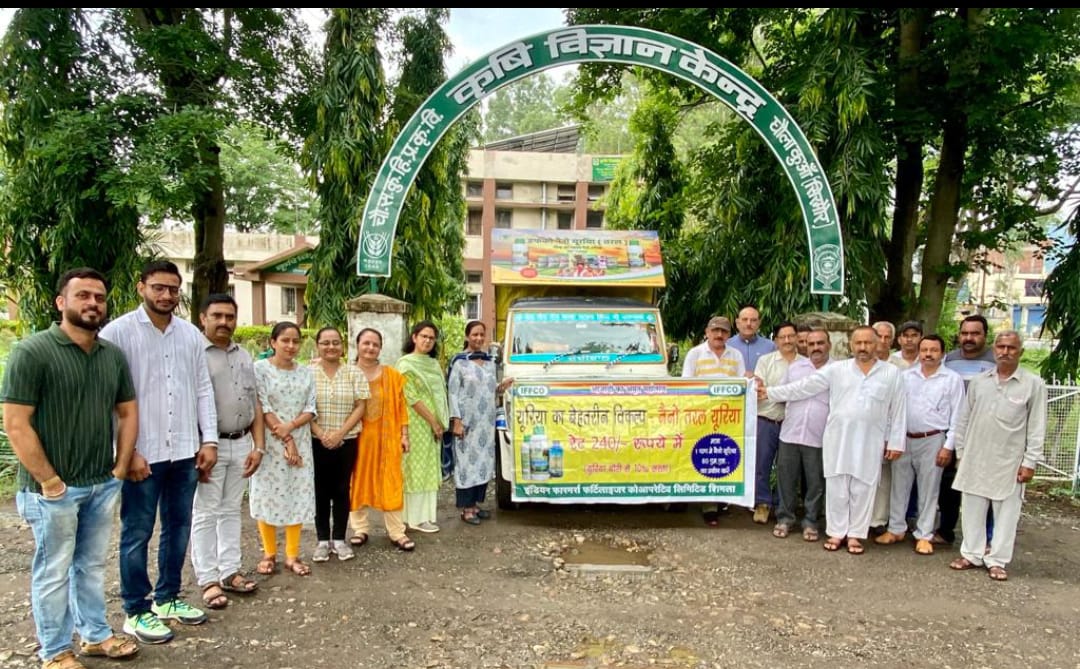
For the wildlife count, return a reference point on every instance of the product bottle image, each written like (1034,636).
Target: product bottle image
(526,458)
(539,458)
(555,459)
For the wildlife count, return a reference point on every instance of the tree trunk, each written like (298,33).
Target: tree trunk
(896,302)
(210,274)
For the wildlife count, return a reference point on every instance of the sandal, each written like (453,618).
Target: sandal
(404,544)
(298,567)
(998,574)
(483,514)
(833,543)
(855,547)
(267,565)
(65,660)
(214,597)
(809,534)
(358,539)
(238,583)
(963,564)
(470,518)
(780,531)
(116,647)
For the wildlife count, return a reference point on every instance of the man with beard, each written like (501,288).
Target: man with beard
(866,418)
(215,518)
(177,446)
(61,390)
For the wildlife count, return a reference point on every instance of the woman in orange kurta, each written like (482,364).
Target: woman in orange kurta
(377,480)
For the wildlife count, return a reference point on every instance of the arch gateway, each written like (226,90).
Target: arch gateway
(606,44)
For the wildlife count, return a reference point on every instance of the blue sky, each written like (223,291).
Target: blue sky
(475,32)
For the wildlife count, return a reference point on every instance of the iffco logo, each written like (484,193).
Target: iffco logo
(531,391)
(726,389)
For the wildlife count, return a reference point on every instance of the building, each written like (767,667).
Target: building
(1009,290)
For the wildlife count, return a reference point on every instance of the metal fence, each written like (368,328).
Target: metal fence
(1061,451)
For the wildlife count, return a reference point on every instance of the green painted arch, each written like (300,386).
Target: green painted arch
(606,44)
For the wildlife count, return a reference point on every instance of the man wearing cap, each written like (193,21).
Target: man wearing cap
(748,342)
(713,357)
(908,339)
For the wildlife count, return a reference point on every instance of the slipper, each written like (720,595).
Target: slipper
(963,564)
(237,582)
(924,547)
(358,539)
(998,574)
(117,646)
(889,538)
(833,544)
(65,660)
(470,518)
(855,547)
(404,544)
(939,540)
(267,565)
(483,514)
(297,567)
(809,534)
(780,531)
(214,597)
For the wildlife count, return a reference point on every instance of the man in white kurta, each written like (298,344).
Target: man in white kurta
(866,418)
(999,440)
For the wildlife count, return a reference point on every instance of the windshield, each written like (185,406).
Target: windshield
(578,337)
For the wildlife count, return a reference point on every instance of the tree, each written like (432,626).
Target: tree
(66,200)
(264,189)
(529,105)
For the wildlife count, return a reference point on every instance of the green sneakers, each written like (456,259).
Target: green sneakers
(180,611)
(147,628)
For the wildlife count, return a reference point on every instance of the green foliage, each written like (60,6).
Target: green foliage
(1063,313)
(529,105)
(451,337)
(255,339)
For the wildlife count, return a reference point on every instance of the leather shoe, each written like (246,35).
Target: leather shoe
(886,538)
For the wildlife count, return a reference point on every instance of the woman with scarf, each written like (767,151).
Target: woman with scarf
(472,390)
(425,394)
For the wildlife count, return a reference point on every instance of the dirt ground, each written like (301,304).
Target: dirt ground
(505,595)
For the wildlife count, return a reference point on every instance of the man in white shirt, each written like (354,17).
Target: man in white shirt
(999,441)
(176,447)
(771,367)
(934,397)
(866,418)
(879,517)
(714,358)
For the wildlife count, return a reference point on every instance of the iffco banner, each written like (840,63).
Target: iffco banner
(669,440)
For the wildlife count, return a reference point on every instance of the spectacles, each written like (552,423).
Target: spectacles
(163,288)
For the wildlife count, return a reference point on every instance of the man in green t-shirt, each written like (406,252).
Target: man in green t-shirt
(61,390)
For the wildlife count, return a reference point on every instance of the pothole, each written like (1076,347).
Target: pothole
(596,556)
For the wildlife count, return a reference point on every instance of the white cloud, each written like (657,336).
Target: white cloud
(477,32)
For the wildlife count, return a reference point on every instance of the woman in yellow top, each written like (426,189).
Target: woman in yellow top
(377,480)
(340,392)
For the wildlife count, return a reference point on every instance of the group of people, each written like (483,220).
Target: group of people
(918,438)
(172,422)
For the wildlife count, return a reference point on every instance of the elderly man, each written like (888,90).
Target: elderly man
(771,367)
(908,340)
(866,419)
(799,455)
(934,396)
(714,358)
(177,446)
(999,441)
(748,342)
(62,389)
(215,517)
(879,518)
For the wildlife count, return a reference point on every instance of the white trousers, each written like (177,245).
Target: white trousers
(848,504)
(215,514)
(973,523)
(882,495)
(917,464)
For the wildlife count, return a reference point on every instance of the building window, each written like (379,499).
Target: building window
(288,300)
(474,189)
(594,220)
(504,218)
(565,193)
(565,220)
(475,223)
(474,277)
(472,307)
(596,191)
(504,191)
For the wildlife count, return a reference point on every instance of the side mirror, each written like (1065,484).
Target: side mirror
(495,351)
(673,354)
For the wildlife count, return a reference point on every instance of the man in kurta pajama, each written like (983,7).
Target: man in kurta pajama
(866,417)
(999,440)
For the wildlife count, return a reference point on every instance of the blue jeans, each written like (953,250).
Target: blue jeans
(67,580)
(170,487)
(768,442)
